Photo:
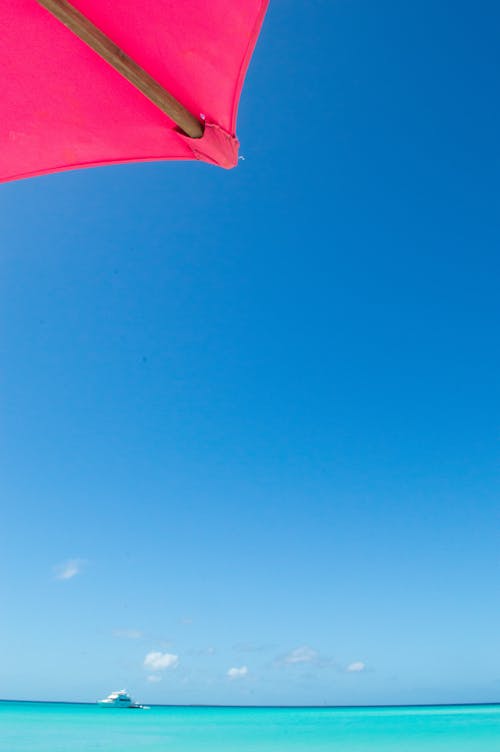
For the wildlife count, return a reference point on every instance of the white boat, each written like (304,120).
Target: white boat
(119,699)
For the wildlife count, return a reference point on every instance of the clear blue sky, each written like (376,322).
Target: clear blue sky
(248,419)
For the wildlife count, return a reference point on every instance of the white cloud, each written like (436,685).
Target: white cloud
(154,678)
(202,651)
(157,661)
(304,654)
(237,673)
(252,647)
(356,667)
(128,634)
(69,569)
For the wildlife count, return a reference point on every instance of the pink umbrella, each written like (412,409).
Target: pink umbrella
(100,82)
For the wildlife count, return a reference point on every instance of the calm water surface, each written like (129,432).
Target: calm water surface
(53,727)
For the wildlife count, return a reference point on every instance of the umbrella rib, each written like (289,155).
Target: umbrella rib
(121,62)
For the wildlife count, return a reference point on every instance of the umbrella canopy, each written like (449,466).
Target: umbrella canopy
(66,104)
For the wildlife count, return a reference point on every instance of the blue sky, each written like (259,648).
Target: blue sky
(249,419)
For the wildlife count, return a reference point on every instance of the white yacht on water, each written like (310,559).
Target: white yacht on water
(119,699)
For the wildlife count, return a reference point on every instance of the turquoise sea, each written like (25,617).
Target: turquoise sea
(59,727)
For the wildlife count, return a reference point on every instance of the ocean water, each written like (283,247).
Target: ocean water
(59,727)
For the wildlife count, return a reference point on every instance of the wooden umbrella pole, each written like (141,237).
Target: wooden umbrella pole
(108,50)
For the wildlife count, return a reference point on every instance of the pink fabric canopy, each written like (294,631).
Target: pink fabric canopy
(63,107)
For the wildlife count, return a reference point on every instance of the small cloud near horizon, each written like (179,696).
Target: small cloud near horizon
(128,634)
(69,569)
(202,651)
(251,647)
(154,678)
(303,654)
(237,673)
(356,667)
(156,661)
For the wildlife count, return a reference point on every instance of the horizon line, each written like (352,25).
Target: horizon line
(276,707)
